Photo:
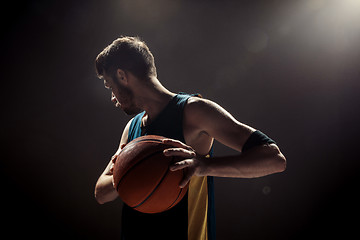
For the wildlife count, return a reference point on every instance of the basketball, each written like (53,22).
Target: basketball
(142,177)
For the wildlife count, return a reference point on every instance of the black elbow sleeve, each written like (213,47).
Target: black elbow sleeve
(257,138)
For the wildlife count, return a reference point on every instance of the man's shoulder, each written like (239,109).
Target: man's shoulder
(197,104)
(198,109)
(195,101)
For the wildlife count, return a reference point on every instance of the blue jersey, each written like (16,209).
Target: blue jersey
(193,218)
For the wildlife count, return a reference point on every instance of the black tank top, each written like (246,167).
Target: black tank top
(174,223)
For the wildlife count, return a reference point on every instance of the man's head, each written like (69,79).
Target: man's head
(129,54)
(124,59)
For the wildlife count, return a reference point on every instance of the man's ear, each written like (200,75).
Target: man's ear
(121,76)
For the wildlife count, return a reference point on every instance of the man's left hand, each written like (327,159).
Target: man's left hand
(193,163)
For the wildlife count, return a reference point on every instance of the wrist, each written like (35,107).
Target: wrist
(205,165)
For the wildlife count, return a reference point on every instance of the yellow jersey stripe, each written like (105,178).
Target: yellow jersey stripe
(197,208)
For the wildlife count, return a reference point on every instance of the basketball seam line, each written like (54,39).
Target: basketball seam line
(147,139)
(154,153)
(171,205)
(162,179)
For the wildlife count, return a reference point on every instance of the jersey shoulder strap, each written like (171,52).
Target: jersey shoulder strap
(135,127)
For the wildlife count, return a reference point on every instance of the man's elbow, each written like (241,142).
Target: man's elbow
(279,159)
(98,196)
(105,192)
(281,162)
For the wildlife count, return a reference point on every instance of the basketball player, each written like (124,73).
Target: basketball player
(191,123)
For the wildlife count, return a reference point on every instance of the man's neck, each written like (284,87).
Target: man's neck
(153,100)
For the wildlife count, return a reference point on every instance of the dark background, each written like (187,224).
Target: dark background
(289,68)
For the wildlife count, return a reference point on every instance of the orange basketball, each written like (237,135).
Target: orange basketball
(142,177)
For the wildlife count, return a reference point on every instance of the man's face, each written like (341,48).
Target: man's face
(121,95)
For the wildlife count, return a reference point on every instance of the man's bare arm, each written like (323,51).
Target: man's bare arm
(104,188)
(213,120)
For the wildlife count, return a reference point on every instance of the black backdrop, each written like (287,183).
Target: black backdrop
(288,68)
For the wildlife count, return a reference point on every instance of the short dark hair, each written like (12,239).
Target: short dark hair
(129,54)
